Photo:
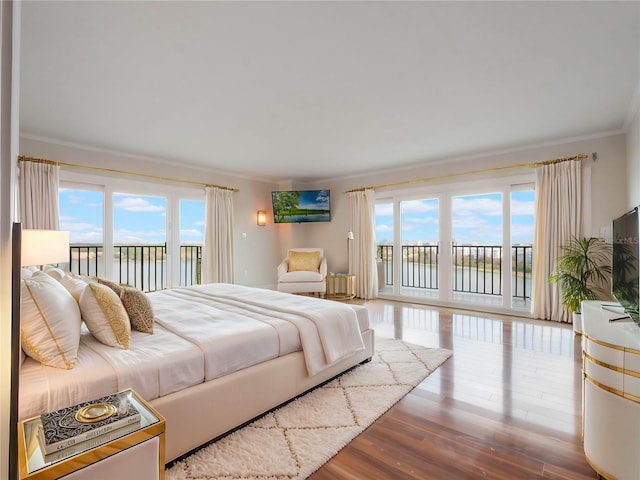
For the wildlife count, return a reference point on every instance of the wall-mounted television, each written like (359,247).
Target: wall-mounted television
(301,206)
(625,278)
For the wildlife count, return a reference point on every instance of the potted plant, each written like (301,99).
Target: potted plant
(583,272)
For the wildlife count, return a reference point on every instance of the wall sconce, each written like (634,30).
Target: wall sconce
(42,247)
(262,218)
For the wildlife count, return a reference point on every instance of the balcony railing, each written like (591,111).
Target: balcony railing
(477,269)
(142,266)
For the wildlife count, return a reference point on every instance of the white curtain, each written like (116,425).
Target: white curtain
(558,212)
(217,253)
(38,195)
(363,259)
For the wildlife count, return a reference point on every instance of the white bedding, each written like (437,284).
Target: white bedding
(328,331)
(197,338)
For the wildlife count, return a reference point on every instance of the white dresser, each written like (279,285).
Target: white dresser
(611,392)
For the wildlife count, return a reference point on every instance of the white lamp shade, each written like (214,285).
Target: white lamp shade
(350,235)
(42,247)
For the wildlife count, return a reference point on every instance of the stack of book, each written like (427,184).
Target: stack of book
(68,426)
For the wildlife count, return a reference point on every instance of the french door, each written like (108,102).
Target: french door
(459,245)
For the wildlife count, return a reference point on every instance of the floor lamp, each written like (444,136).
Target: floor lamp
(349,242)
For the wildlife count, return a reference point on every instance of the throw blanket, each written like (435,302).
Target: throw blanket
(329,331)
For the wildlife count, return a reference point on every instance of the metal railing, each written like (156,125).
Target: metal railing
(142,266)
(477,268)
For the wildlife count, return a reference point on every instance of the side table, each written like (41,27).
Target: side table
(340,286)
(132,452)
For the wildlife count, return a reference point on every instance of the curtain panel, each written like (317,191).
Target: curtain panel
(217,252)
(363,260)
(558,213)
(38,195)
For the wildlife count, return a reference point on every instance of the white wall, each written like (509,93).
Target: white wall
(633,163)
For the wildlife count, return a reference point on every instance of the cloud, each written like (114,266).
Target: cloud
(520,207)
(137,204)
(480,205)
(190,232)
(419,206)
(384,209)
(124,236)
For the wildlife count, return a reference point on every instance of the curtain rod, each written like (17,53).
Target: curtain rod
(23,158)
(580,156)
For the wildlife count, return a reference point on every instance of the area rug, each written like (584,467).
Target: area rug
(295,440)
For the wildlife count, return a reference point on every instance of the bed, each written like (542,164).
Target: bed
(219,356)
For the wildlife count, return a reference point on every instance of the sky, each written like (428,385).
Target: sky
(477,219)
(138,219)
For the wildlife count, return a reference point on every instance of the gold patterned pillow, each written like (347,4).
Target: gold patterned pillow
(105,315)
(139,309)
(304,261)
(116,287)
(136,304)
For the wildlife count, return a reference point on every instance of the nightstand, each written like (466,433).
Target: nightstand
(340,286)
(129,453)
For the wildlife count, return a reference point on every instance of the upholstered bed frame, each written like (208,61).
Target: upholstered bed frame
(204,412)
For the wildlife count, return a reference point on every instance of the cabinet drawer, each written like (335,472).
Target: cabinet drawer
(602,353)
(605,376)
(632,362)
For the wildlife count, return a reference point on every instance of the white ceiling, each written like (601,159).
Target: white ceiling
(315,90)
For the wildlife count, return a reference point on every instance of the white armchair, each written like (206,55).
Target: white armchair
(303,271)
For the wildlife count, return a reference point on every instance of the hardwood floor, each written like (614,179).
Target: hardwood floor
(506,405)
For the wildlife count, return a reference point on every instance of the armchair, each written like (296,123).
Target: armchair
(303,271)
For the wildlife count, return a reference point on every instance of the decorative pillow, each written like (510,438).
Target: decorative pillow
(116,287)
(27,272)
(75,285)
(136,304)
(139,309)
(55,272)
(105,315)
(308,261)
(49,322)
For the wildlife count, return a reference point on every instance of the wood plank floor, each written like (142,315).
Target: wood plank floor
(506,405)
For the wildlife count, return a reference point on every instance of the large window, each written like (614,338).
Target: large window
(142,234)
(468,242)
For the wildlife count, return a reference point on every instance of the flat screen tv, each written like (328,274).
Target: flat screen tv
(624,274)
(301,206)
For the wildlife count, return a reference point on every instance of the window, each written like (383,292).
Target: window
(82,214)
(143,234)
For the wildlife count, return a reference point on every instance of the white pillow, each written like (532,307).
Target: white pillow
(56,273)
(105,315)
(49,322)
(27,272)
(74,284)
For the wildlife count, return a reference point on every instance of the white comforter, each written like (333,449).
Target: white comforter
(328,331)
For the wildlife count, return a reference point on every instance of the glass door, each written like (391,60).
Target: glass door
(140,241)
(477,248)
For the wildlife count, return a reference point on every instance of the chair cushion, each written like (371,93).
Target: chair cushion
(300,276)
(304,261)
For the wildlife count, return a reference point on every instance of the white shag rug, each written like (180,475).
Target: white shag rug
(295,440)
